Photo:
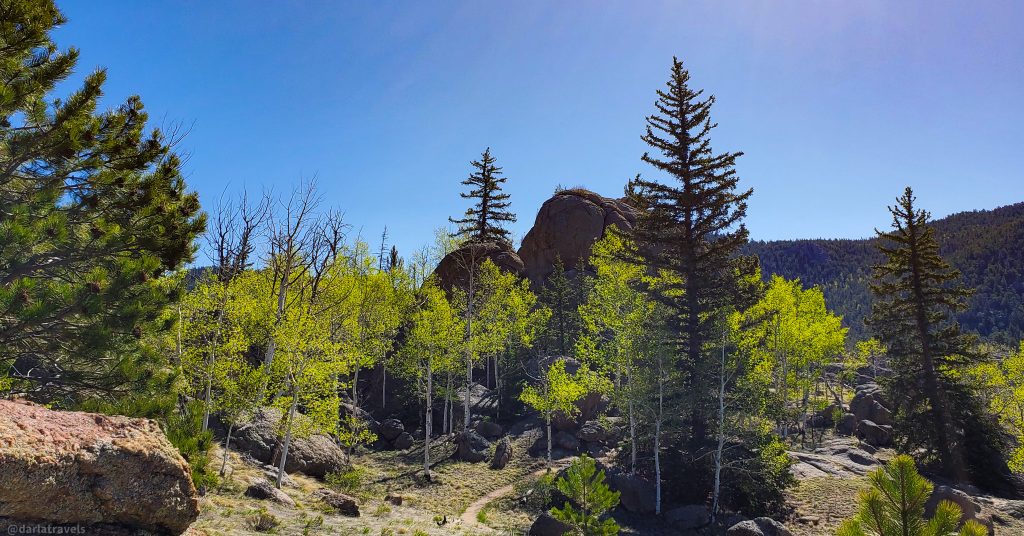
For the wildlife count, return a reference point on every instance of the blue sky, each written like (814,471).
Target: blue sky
(837,104)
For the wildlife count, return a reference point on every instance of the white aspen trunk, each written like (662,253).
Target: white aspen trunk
(469,351)
(497,389)
(721,436)
(227,445)
(657,435)
(632,438)
(282,302)
(549,439)
(210,363)
(287,439)
(429,418)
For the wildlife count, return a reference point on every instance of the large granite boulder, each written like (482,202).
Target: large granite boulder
(969,507)
(69,467)
(635,494)
(762,526)
(874,434)
(472,447)
(454,269)
(315,455)
(567,225)
(869,404)
(390,429)
(339,502)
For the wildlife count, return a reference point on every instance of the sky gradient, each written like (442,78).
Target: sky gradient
(837,105)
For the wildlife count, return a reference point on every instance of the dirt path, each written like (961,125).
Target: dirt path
(468,518)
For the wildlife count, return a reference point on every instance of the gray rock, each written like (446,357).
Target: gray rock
(874,434)
(502,453)
(635,494)
(546,525)
(847,424)
(472,447)
(969,508)
(762,526)
(869,404)
(593,432)
(263,490)
(391,429)
(403,441)
(315,455)
(341,503)
(566,441)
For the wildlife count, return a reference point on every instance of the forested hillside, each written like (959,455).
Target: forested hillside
(986,245)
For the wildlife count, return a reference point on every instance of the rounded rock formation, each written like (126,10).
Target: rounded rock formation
(566,227)
(452,272)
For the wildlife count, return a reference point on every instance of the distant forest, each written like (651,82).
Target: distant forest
(985,245)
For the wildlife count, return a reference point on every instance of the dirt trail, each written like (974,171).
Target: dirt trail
(468,518)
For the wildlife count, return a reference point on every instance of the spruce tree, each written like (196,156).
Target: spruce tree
(483,221)
(916,297)
(93,210)
(563,296)
(691,230)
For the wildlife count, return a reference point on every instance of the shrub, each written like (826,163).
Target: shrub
(347,481)
(894,506)
(262,521)
(590,499)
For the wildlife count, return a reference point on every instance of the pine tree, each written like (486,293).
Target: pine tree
(895,506)
(691,231)
(93,210)
(484,220)
(584,485)
(563,296)
(916,297)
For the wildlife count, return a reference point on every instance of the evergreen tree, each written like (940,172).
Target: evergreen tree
(691,231)
(483,221)
(93,210)
(584,485)
(916,295)
(563,296)
(895,506)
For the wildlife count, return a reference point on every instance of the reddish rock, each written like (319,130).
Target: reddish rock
(452,271)
(567,225)
(69,467)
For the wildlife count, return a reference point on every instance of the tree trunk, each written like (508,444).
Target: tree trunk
(469,350)
(632,436)
(429,418)
(549,439)
(227,445)
(287,439)
(384,386)
(721,436)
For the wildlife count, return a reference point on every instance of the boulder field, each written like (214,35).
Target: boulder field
(117,474)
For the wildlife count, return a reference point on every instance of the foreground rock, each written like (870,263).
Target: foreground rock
(341,503)
(315,455)
(263,490)
(762,526)
(80,468)
(546,525)
(635,494)
(472,447)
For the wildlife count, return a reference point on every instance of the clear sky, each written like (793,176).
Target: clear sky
(837,104)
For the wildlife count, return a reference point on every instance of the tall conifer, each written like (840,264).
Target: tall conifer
(691,229)
(483,221)
(916,297)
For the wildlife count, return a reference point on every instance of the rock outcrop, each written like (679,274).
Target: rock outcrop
(315,455)
(87,469)
(567,225)
(452,271)
(547,525)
